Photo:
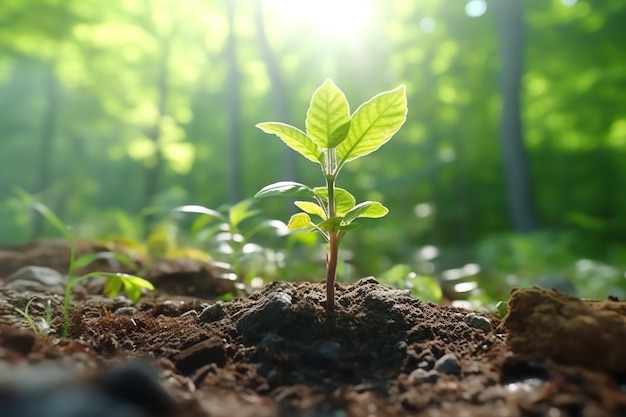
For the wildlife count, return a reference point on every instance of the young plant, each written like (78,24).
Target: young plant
(115,281)
(333,138)
(41,327)
(229,229)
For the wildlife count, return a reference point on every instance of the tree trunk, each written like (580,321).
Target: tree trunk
(233,109)
(279,91)
(514,154)
(154,171)
(48,133)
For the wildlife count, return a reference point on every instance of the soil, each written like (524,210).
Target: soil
(179,352)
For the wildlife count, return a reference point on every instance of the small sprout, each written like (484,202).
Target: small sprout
(115,281)
(501,307)
(334,137)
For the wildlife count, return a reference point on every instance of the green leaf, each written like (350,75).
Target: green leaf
(285,189)
(344,201)
(373,124)
(330,225)
(295,139)
(112,287)
(501,308)
(239,212)
(339,135)
(371,209)
(311,208)
(328,114)
(299,221)
(200,210)
(426,288)
(52,218)
(88,258)
(115,281)
(348,227)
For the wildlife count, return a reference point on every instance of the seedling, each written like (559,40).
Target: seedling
(334,137)
(115,281)
(229,229)
(41,327)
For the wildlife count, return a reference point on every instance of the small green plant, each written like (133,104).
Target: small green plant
(41,327)
(334,137)
(115,281)
(501,308)
(229,229)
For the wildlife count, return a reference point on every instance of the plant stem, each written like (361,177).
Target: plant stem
(333,252)
(68,288)
(331,268)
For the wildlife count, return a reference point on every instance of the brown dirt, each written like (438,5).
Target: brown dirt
(276,353)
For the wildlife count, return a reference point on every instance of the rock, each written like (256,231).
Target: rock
(214,312)
(448,364)
(270,340)
(330,350)
(262,318)
(401,346)
(420,376)
(36,279)
(478,322)
(125,311)
(130,390)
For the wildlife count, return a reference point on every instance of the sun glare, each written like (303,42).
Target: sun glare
(335,18)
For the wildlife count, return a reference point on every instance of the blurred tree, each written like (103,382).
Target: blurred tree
(514,154)
(233,105)
(279,92)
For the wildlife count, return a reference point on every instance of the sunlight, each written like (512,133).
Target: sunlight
(339,19)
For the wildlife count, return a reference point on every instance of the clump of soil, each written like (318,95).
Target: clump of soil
(277,353)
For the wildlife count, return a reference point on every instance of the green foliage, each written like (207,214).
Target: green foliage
(333,137)
(90,76)
(43,326)
(501,308)
(133,285)
(424,287)
(230,227)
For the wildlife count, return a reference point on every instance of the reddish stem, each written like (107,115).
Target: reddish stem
(331,268)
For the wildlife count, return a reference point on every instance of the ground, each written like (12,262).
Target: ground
(179,352)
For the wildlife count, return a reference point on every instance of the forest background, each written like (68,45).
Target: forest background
(509,170)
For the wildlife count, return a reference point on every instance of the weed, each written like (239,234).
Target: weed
(42,327)
(115,281)
(334,137)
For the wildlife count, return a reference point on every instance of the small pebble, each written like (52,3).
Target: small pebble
(330,350)
(269,340)
(125,311)
(423,376)
(448,364)
(36,279)
(212,313)
(478,322)
(401,346)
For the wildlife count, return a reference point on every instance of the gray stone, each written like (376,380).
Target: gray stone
(125,311)
(214,312)
(478,322)
(448,364)
(36,279)
(330,350)
(131,390)
(420,376)
(269,340)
